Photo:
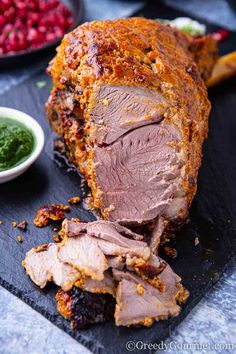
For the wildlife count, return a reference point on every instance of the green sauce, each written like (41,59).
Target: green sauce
(16,143)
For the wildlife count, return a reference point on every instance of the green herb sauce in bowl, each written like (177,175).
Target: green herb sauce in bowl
(16,143)
(21,143)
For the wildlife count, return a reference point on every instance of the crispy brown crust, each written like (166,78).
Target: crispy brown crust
(63,300)
(83,308)
(50,212)
(74,200)
(134,52)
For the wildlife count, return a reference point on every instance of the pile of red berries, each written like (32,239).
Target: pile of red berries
(29,24)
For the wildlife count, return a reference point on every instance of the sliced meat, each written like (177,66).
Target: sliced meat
(104,229)
(157,232)
(113,239)
(146,154)
(104,286)
(145,287)
(88,254)
(83,253)
(83,256)
(138,302)
(129,107)
(117,262)
(137,305)
(43,265)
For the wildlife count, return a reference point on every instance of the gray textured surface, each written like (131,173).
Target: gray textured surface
(213,320)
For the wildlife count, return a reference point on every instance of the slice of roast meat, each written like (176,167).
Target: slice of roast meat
(157,231)
(129,107)
(104,286)
(159,274)
(83,308)
(111,239)
(95,258)
(106,230)
(117,262)
(148,154)
(89,254)
(43,265)
(138,302)
(83,255)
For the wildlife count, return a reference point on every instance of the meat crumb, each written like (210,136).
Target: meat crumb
(50,212)
(171,252)
(55,229)
(22,225)
(20,238)
(74,200)
(1,222)
(63,207)
(140,289)
(14,224)
(56,238)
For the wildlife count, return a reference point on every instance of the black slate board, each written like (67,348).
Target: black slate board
(212,217)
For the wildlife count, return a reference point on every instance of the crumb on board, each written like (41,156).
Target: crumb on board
(22,225)
(170,251)
(74,200)
(14,224)
(50,212)
(61,233)
(55,229)
(56,238)
(20,238)
(196,241)
(1,222)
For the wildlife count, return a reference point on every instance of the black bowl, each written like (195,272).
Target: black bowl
(26,56)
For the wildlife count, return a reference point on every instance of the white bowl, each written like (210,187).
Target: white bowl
(38,133)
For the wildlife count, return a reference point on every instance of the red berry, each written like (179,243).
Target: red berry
(50,37)
(19,24)
(10,14)
(32,35)
(28,24)
(2,21)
